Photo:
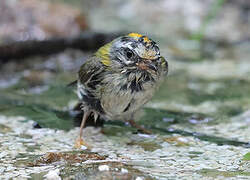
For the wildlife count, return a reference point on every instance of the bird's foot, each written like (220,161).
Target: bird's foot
(81,144)
(139,128)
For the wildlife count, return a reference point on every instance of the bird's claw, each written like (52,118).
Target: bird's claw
(81,144)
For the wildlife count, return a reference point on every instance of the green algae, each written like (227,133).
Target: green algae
(204,137)
(246,157)
(4,129)
(215,173)
(38,176)
(43,115)
(195,152)
(165,118)
(147,146)
(54,97)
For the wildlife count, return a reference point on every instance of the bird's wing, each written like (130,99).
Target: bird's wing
(90,77)
(90,73)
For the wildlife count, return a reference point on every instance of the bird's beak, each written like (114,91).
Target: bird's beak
(146,65)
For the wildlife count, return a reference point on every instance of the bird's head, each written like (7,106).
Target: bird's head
(132,52)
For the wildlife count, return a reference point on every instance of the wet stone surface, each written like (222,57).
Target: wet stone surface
(34,153)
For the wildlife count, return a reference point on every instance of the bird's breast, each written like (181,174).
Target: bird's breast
(123,95)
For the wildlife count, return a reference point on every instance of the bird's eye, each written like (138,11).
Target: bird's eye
(129,53)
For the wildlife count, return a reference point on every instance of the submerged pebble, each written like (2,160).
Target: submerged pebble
(103,168)
(53,175)
(123,170)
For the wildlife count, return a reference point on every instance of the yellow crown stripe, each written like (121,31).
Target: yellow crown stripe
(134,35)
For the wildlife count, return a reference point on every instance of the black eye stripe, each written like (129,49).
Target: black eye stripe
(129,53)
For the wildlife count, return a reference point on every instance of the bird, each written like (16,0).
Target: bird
(118,79)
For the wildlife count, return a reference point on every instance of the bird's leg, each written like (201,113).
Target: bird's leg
(138,127)
(80,142)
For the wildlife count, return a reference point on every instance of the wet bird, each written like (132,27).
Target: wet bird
(119,79)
